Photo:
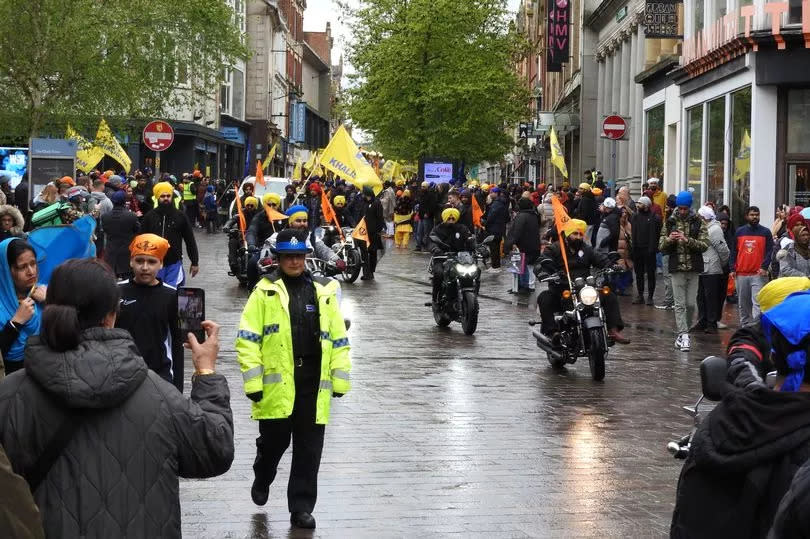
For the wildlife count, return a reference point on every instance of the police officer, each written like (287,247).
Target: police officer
(294,356)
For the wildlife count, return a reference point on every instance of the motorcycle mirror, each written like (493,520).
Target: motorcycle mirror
(320,233)
(713,382)
(488,239)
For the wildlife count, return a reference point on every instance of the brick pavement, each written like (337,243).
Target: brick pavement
(445,435)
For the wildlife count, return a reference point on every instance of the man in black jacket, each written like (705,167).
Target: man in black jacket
(428,208)
(450,236)
(746,452)
(495,220)
(525,233)
(170,223)
(148,310)
(587,210)
(120,226)
(581,257)
(375,225)
(646,228)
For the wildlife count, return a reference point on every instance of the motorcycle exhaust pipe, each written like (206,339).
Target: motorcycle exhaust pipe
(545,344)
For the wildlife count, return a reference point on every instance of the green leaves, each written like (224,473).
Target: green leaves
(80,59)
(436,77)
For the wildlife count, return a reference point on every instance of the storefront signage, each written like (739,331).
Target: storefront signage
(298,125)
(726,29)
(559,19)
(233,134)
(662,19)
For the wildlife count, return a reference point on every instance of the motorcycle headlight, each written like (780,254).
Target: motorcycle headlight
(336,247)
(588,295)
(466,269)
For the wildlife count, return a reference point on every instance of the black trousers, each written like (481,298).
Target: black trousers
(644,264)
(253,270)
(495,252)
(550,302)
(438,277)
(369,255)
(307,441)
(711,295)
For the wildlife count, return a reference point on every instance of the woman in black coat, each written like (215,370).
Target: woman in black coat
(525,232)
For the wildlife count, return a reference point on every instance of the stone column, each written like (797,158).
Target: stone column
(624,107)
(600,110)
(641,145)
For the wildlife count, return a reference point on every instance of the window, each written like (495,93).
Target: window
(798,114)
(795,12)
(698,16)
(715,169)
(225,93)
(741,154)
(238,94)
(695,151)
(655,142)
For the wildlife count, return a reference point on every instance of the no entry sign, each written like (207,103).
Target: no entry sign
(158,136)
(614,127)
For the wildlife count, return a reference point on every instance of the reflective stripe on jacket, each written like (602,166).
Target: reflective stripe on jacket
(264,349)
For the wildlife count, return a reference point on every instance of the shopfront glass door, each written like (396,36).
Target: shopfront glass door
(799,183)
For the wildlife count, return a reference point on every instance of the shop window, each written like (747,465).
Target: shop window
(741,152)
(716,146)
(795,12)
(798,120)
(695,152)
(655,142)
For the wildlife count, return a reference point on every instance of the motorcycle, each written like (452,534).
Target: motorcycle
(582,329)
(458,295)
(714,387)
(345,248)
(239,264)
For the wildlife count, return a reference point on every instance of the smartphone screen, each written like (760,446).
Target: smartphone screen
(191,311)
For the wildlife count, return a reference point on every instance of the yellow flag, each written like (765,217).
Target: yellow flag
(107,142)
(388,170)
(343,158)
(88,154)
(297,171)
(270,156)
(742,162)
(557,158)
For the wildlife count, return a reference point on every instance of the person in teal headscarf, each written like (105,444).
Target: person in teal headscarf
(21,299)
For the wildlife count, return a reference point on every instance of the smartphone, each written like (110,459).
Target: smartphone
(191,311)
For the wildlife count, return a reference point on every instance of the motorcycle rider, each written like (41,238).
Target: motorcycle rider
(449,236)
(581,257)
(343,216)
(235,240)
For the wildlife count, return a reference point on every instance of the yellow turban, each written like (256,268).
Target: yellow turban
(271,198)
(485,187)
(585,186)
(575,225)
(340,201)
(446,214)
(406,193)
(596,191)
(775,292)
(162,188)
(252,200)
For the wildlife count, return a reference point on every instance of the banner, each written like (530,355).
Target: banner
(559,32)
(360,232)
(560,219)
(242,220)
(88,154)
(343,158)
(109,144)
(662,19)
(259,173)
(477,212)
(270,156)
(310,164)
(557,158)
(297,171)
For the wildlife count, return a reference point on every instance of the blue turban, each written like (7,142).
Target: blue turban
(792,319)
(118,198)
(292,210)
(684,198)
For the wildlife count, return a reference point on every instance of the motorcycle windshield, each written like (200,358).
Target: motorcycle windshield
(465,258)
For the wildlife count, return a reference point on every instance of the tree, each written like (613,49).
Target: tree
(74,60)
(436,77)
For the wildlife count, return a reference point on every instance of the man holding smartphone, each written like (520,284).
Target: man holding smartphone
(294,355)
(148,310)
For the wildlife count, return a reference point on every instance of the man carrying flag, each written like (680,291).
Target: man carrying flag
(575,257)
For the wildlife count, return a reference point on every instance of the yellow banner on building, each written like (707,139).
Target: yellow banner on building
(88,154)
(270,156)
(343,158)
(297,171)
(557,158)
(109,144)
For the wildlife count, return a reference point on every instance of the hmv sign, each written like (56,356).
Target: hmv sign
(559,33)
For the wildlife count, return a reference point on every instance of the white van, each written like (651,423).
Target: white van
(271,185)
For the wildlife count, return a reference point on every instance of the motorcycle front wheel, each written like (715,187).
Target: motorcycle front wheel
(597,353)
(442,320)
(469,313)
(353,266)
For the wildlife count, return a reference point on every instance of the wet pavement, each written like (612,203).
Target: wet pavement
(447,435)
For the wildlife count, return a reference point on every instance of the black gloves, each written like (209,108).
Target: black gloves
(743,373)
(255,397)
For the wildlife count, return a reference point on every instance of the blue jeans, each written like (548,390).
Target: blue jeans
(423,231)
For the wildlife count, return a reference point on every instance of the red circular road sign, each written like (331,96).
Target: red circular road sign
(614,127)
(158,135)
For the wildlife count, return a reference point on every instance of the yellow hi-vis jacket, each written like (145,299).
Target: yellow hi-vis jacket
(188,194)
(264,349)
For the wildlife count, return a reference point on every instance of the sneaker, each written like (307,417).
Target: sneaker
(678,341)
(721,325)
(685,342)
(665,307)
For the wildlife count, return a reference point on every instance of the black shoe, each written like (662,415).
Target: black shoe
(650,301)
(259,492)
(638,300)
(302,520)
(710,329)
(417,250)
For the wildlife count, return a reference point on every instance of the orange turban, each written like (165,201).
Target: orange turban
(68,180)
(149,245)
